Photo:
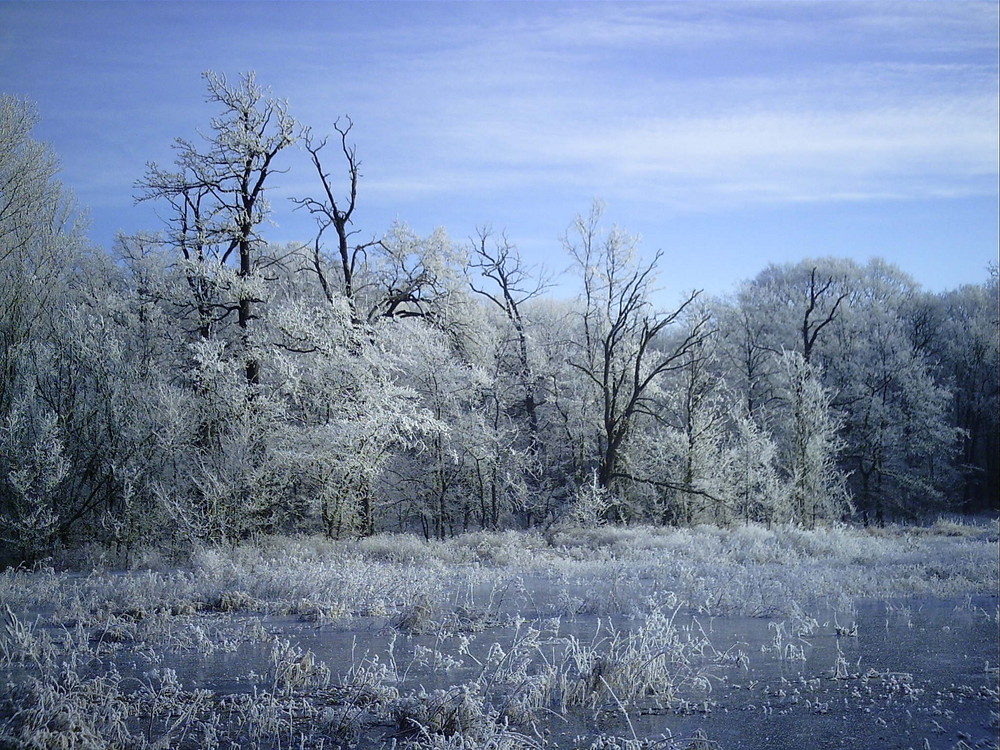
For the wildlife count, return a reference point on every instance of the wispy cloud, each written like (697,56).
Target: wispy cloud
(468,111)
(642,100)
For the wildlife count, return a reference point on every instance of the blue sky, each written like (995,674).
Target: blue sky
(728,134)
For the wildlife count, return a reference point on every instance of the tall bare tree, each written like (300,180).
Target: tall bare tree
(497,260)
(336,212)
(623,350)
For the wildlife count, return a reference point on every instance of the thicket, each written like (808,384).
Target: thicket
(198,383)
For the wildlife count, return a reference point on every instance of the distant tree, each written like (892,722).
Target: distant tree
(680,449)
(33,459)
(791,307)
(900,442)
(855,323)
(103,381)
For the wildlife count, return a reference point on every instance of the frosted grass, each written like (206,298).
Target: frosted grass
(587,638)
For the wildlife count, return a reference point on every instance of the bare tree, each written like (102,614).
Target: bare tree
(811,327)
(405,275)
(331,211)
(496,259)
(623,350)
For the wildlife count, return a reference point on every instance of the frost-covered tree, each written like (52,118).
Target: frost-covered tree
(816,484)
(41,253)
(753,481)
(963,337)
(414,276)
(854,322)
(746,351)
(79,357)
(678,452)
(34,464)
(466,470)
(219,267)
(398,275)
(621,350)
(700,414)
(40,243)
(203,384)
(896,424)
(795,307)
(511,288)
(217,199)
(353,412)
(567,403)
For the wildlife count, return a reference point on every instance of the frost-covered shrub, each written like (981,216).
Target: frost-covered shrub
(396,548)
(502,548)
(591,504)
(459,711)
(295,669)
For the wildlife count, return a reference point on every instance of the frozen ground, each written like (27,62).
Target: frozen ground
(601,638)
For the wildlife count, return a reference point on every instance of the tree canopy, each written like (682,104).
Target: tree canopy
(198,383)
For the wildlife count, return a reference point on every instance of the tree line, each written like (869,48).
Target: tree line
(197,383)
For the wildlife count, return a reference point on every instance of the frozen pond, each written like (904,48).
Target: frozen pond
(557,656)
(887,675)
